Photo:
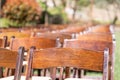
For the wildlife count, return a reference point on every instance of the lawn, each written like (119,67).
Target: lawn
(117,57)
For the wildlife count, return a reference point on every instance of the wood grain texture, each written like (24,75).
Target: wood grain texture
(8,58)
(101,29)
(67,57)
(16,34)
(39,43)
(95,45)
(88,44)
(79,58)
(61,35)
(95,36)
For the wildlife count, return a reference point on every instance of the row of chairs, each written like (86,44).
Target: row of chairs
(56,57)
(69,46)
(96,38)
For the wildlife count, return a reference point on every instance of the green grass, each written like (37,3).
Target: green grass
(117,57)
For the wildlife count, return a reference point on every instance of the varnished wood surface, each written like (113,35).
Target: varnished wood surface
(93,36)
(81,58)
(88,44)
(16,34)
(39,43)
(8,58)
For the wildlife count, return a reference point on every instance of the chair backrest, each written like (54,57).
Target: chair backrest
(55,35)
(96,45)
(9,30)
(73,29)
(95,36)
(101,29)
(13,60)
(16,34)
(39,43)
(88,44)
(68,57)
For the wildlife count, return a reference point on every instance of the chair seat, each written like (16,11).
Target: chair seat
(23,78)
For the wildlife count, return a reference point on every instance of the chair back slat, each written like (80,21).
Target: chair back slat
(39,43)
(88,44)
(92,36)
(12,60)
(101,29)
(8,58)
(66,57)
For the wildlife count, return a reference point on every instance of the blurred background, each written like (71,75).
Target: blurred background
(24,13)
(17,13)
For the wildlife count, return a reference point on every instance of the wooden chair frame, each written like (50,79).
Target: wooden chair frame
(61,57)
(13,60)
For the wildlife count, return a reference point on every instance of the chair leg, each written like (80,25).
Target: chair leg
(81,73)
(67,72)
(44,73)
(110,72)
(12,72)
(1,72)
(6,73)
(61,74)
(74,72)
(39,72)
(53,73)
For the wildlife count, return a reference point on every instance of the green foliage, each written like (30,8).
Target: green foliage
(104,3)
(101,3)
(58,16)
(110,1)
(42,4)
(20,14)
(4,23)
(42,18)
(83,3)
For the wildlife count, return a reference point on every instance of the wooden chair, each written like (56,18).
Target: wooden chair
(88,44)
(9,30)
(55,35)
(13,60)
(101,29)
(15,34)
(3,44)
(39,43)
(73,29)
(67,57)
(95,36)
(54,27)
(96,45)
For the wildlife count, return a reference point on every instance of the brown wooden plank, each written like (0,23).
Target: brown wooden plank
(67,57)
(34,41)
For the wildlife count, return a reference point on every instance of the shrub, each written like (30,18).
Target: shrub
(21,13)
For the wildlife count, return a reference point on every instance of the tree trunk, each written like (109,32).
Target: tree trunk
(74,9)
(46,14)
(91,9)
(64,3)
(54,3)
